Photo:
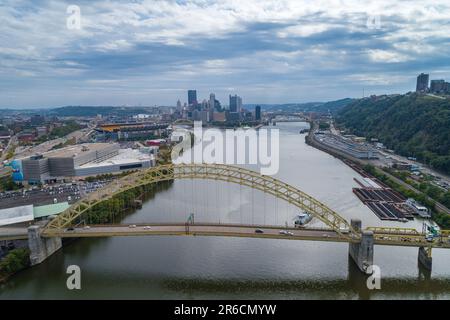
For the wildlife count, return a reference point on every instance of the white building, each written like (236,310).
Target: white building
(126,160)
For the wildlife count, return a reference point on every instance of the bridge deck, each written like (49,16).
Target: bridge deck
(271,232)
(229,230)
(13,233)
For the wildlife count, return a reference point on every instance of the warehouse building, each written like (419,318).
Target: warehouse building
(125,160)
(346,145)
(83,160)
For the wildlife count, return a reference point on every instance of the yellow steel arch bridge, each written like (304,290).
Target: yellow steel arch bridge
(218,172)
(338,228)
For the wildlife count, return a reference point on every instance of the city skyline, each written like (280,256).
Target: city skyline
(148,53)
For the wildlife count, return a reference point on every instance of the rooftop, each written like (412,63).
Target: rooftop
(125,156)
(72,151)
(50,209)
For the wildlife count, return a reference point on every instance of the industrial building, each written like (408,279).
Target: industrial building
(357,150)
(83,160)
(130,131)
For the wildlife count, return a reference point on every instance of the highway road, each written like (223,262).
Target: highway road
(200,230)
(381,237)
(400,237)
(13,233)
(48,145)
(11,143)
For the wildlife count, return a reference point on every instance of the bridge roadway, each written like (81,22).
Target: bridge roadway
(13,233)
(382,236)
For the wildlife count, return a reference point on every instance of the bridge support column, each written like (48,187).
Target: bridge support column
(425,258)
(41,248)
(362,252)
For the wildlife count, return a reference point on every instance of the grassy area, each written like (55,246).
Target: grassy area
(324,125)
(64,130)
(15,261)
(113,210)
(11,152)
(424,185)
(107,176)
(69,142)
(7,184)
(164,155)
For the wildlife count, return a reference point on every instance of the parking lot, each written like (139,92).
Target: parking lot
(39,196)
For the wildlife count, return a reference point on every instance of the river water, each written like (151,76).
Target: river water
(238,268)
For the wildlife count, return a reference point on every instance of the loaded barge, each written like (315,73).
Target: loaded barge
(387,204)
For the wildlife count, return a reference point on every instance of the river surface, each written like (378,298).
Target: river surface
(238,268)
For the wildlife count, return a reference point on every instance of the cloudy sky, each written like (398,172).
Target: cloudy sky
(151,52)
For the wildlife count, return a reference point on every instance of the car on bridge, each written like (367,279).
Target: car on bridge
(259,231)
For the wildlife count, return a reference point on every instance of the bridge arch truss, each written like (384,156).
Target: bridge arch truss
(218,172)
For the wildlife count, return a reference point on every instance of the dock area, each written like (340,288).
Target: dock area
(386,203)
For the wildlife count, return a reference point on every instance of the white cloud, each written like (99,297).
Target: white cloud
(226,43)
(379,55)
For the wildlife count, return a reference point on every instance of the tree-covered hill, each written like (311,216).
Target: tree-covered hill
(413,125)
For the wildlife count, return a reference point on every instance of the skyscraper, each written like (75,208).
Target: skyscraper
(437,86)
(422,82)
(192,97)
(258,113)
(212,100)
(235,103)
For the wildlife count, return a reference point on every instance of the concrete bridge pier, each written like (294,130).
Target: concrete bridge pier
(362,252)
(41,248)
(425,258)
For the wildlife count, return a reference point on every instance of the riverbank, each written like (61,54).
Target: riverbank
(15,261)
(441,214)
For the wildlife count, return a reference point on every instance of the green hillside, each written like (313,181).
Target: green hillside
(412,125)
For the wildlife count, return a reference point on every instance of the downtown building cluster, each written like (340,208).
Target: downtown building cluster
(211,110)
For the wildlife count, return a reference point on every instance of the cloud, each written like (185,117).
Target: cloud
(266,50)
(386,56)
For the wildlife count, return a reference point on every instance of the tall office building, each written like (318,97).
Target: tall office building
(437,86)
(239,104)
(422,82)
(258,113)
(235,103)
(212,100)
(192,97)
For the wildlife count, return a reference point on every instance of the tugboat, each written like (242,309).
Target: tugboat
(302,219)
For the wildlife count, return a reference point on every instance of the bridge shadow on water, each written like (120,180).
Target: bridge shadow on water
(354,287)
